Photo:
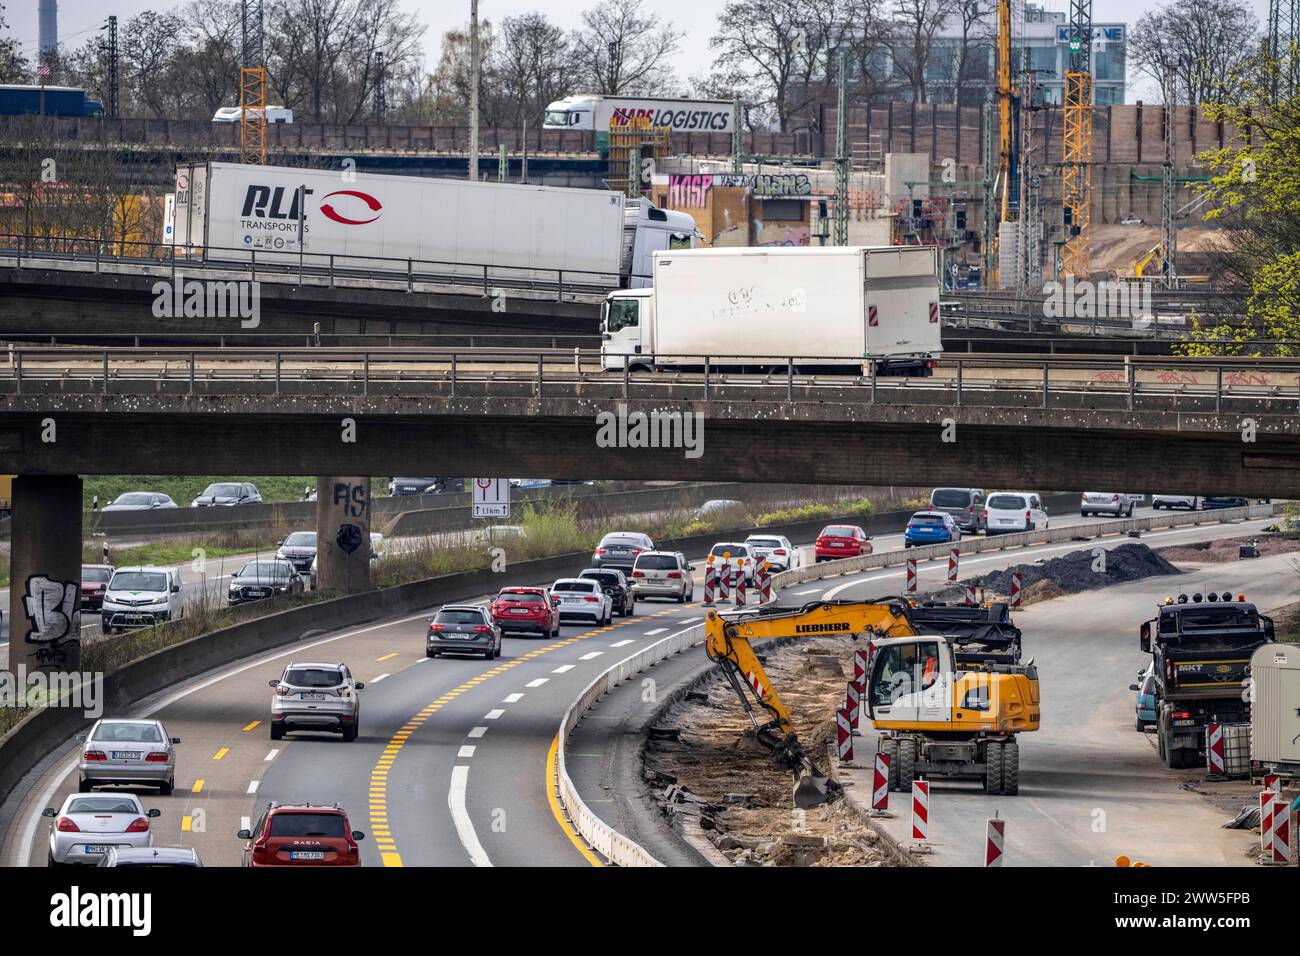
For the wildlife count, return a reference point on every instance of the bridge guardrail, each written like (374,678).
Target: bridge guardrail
(613,845)
(1000,542)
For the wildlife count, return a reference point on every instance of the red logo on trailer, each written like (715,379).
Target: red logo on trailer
(331,213)
(934,311)
(871,316)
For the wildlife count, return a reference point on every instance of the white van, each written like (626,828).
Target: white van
(141,597)
(1012,511)
(274,114)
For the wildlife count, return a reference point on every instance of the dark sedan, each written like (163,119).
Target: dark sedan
(613,583)
(259,580)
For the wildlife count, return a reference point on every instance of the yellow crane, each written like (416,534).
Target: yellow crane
(946,687)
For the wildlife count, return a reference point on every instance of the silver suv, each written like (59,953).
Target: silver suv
(620,549)
(320,697)
(663,574)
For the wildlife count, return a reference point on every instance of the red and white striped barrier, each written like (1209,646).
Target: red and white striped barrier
(1214,750)
(724,578)
(995,842)
(853,697)
(920,809)
(953,555)
(741,596)
(860,667)
(710,582)
(1267,800)
(880,783)
(1273,781)
(911,575)
(1015,588)
(763,582)
(844,735)
(1283,827)
(970,595)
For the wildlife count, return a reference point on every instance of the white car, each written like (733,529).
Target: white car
(1190,502)
(1106,503)
(233,114)
(583,597)
(88,824)
(1012,511)
(741,557)
(781,555)
(141,597)
(139,501)
(716,506)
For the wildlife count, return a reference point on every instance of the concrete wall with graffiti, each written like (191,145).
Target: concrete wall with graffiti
(765,209)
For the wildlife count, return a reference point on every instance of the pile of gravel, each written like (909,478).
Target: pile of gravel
(1074,572)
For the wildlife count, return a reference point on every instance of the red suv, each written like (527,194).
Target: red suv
(526,609)
(302,835)
(841,541)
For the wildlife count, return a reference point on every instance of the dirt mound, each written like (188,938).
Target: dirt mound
(1227,549)
(1072,573)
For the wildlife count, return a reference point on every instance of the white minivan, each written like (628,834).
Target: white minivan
(1010,511)
(141,597)
(274,114)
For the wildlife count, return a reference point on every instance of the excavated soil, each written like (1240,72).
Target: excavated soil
(705,765)
(1228,549)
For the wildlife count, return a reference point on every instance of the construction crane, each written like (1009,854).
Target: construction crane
(1004,110)
(252,85)
(1076,168)
(947,689)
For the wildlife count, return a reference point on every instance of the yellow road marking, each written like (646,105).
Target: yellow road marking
(256,723)
(198,785)
(185,823)
(221,753)
(557,811)
(386,657)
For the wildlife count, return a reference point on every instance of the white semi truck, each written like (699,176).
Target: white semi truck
(604,113)
(849,309)
(445,227)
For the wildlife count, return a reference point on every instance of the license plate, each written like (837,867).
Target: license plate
(311,696)
(307,855)
(1184,723)
(518,610)
(135,618)
(573,600)
(836,544)
(126,754)
(96,847)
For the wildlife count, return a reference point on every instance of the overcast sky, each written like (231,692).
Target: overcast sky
(79,18)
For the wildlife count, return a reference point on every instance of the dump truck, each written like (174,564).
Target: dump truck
(834,309)
(1201,647)
(946,687)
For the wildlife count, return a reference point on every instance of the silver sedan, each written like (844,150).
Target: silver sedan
(86,826)
(128,752)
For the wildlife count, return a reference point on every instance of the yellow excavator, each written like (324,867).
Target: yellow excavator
(945,689)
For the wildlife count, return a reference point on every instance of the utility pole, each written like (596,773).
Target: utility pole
(1169,258)
(111,51)
(842,156)
(737,159)
(381,99)
(473,90)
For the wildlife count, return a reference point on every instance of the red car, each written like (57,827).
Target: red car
(302,835)
(526,609)
(841,541)
(94,582)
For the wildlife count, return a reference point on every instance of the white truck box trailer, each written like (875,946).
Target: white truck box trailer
(1275,709)
(604,113)
(844,307)
(445,227)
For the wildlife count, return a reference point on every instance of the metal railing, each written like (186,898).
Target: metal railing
(410,274)
(1158,383)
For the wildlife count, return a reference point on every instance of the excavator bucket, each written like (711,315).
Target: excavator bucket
(811,790)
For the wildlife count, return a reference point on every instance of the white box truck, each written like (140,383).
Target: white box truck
(1275,710)
(604,113)
(444,227)
(841,308)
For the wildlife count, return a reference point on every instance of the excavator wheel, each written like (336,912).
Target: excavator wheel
(993,768)
(1011,768)
(906,764)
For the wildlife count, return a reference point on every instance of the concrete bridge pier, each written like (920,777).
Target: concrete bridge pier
(343,534)
(45,573)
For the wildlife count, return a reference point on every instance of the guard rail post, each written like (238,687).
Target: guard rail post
(627,364)
(191,373)
(18,373)
(410,276)
(252,266)
(277,373)
(1131,374)
(873,383)
(706,378)
(485,281)
(453,374)
(365,373)
(559,289)
(1218,389)
(98,248)
(540,359)
(789,380)
(331,270)
(1045,367)
(172,257)
(959,383)
(105,371)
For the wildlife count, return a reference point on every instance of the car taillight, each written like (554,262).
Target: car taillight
(482,629)
(94,755)
(638,574)
(139,825)
(600,550)
(1181,715)
(986,514)
(636,550)
(156,757)
(675,574)
(281,690)
(779,551)
(65,825)
(1027,516)
(1114,497)
(437,627)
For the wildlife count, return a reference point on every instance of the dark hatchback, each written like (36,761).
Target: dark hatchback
(614,583)
(463,629)
(259,580)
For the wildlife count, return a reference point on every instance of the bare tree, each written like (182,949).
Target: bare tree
(14,67)
(1204,41)
(150,45)
(534,65)
(976,19)
(911,42)
(449,84)
(625,50)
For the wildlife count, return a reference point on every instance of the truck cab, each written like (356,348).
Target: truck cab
(626,328)
(572,112)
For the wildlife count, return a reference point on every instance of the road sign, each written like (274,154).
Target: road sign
(491,498)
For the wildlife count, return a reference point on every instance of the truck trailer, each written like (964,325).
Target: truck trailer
(1201,648)
(445,228)
(1275,710)
(612,113)
(20,100)
(845,309)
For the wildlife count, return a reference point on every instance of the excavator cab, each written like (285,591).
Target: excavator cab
(911,681)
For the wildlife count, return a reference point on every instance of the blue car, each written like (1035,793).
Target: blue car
(1146,698)
(931,527)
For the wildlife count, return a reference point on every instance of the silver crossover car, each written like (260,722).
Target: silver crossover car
(129,752)
(87,825)
(320,697)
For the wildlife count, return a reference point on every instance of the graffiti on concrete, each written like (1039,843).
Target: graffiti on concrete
(54,609)
(691,190)
(686,191)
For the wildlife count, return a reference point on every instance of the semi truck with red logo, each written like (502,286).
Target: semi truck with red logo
(605,113)
(423,227)
(839,309)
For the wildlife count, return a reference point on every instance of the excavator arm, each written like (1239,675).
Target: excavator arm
(728,642)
